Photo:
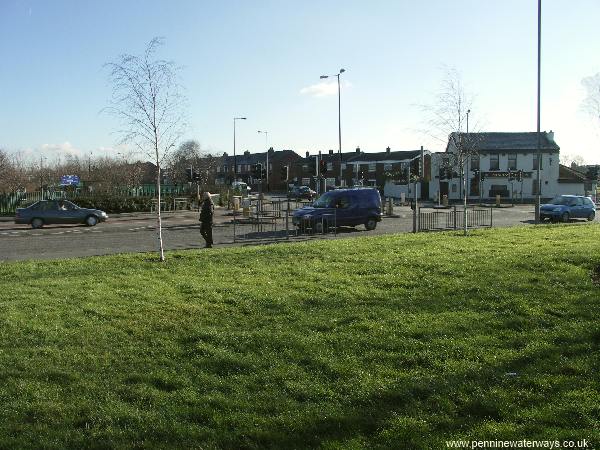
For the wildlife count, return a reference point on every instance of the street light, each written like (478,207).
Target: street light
(266,133)
(539,156)
(339,117)
(234,157)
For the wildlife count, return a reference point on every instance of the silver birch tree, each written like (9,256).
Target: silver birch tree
(147,99)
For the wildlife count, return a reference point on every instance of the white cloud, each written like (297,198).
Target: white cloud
(66,148)
(324,88)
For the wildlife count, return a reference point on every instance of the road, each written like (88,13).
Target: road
(137,233)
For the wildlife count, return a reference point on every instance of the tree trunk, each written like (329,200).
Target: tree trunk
(159,219)
(464,197)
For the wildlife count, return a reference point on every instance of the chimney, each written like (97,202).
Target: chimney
(388,150)
(225,155)
(358,150)
(247,153)
(331,152)
(307,154)
(550,135)
(271,151)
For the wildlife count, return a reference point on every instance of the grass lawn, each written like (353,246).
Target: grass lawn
(399,341)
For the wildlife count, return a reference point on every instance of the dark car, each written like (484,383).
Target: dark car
(342,207)
(302,192)
(567,207)
(47,212)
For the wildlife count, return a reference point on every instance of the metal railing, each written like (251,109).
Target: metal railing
(453,219)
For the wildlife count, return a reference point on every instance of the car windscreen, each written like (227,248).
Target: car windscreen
(560,201)
(324,201)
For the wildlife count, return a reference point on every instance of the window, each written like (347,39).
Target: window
(474,162)
(512,161)
(343,166)
(342,202)
(224,168)
(329,166)
(494,161)
(372,167)
(387,167)
(535,162)
(453,187)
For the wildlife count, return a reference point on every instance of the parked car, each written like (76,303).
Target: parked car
(567,207)
(46,212)
(342,207)
(302,192)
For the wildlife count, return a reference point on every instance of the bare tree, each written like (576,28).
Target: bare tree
(591,103)
(447,121)
(190,155)
(13,172)
(147,100)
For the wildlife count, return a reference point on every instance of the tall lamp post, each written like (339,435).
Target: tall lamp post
(539,156)
(339,117)
(266,133)
(234,157)
(466,164)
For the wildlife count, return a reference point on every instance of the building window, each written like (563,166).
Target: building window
(453,187)
(494,161)
(474,162)
(329,166)
(387,167)
(343,166)
(225,169)
(535,163)
(512,161)
(372,167)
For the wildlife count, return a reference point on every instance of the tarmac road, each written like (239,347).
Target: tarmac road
(137,233)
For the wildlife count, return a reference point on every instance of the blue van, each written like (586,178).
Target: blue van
(342,207)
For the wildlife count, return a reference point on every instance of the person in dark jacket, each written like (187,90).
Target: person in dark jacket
(206,219)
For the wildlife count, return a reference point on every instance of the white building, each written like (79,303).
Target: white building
(505,164)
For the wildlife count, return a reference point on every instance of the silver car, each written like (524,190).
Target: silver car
(46,212)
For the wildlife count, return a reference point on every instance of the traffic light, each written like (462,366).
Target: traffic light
(312,165)
(323,167)
(520,175)
(284,173)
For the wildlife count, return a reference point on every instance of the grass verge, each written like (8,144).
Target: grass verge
(397,341)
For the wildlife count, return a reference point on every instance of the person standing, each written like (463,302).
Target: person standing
(206,219)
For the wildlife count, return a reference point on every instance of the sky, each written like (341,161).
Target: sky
(262,59)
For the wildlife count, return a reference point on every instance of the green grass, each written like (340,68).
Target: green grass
(391,342)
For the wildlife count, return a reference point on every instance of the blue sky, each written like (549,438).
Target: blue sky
(263,59)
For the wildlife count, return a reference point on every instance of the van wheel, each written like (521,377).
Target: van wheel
(371,224)
(564,217)
(318,227)
(37,223)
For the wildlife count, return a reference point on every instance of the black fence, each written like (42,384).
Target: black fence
(453,219)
